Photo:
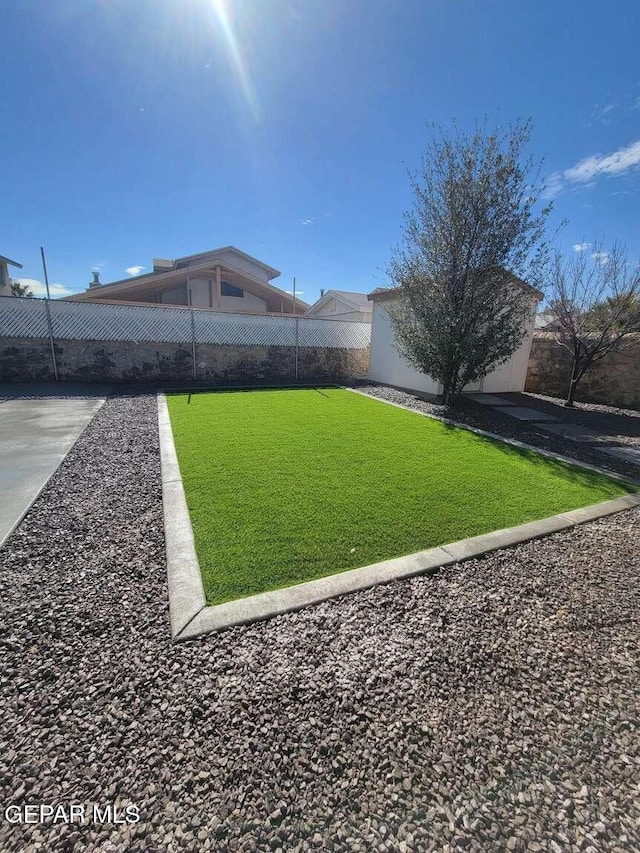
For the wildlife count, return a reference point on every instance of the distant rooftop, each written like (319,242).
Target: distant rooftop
(358,298)
(10,262)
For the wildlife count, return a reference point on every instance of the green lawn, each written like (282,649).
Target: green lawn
(289,485)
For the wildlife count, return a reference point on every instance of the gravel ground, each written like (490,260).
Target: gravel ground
(613,422)
(493,706)
(623,425)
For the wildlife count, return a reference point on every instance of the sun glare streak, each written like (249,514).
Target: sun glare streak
(224,21)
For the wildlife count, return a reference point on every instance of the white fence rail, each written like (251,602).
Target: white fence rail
(27,318)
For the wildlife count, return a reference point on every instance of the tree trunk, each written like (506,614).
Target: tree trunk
(448,397)
(449,394)
(573,384)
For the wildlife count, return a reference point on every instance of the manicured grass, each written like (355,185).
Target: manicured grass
(290,485)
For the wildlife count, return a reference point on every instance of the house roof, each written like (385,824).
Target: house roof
(358,300)
(382,294)
(351,299)
(211,253)
(547,321)
(9,261)
(192,261)
(167,279)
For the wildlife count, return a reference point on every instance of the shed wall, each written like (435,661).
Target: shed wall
(386,365)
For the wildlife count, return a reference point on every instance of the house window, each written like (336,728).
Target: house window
(2,281)
(231,290)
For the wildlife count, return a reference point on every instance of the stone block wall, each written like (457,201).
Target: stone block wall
(613,381)
(26,359)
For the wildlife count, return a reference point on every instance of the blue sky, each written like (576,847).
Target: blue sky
(142,128)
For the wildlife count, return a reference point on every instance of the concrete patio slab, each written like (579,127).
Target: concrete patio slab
(488,400)
(525,414)
(39,424)
(575,433)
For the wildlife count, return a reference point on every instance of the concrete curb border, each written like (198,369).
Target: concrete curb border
(186,593)
(192,617)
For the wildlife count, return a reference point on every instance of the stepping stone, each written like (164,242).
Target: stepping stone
(525,414)
(489,400)
(628,454)
(575,433)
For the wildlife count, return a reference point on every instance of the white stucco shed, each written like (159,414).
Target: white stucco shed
(388,367)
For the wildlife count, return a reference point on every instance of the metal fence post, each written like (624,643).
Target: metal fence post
(193,344)
(297,339)
(47,311)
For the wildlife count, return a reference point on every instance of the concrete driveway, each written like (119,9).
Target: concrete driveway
(39,423)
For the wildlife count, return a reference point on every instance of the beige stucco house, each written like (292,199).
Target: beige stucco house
(5,278)
(224,279)
(342,305)
(388,367)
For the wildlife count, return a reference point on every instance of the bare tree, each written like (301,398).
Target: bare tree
(471,240)
(594,298)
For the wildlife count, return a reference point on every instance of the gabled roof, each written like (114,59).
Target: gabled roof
(358,300)
(351,299)
(181,263)
(203,256)
(9,261)
(174,275)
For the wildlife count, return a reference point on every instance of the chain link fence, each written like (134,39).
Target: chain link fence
(93,321)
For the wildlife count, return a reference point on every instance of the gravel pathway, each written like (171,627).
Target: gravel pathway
(485,417)
(493,706)
(623,425)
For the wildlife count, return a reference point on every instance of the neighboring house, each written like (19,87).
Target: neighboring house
(5,278)
(223,279)
(387,366)
(342,305)
(547,321)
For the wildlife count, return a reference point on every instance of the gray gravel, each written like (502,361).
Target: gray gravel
(623,425)
(618,423)
(493,706)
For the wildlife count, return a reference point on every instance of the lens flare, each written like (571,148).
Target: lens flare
(226,26)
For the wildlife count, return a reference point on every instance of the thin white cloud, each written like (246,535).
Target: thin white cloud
(306,221)
(586,171)
(552,186)
(581,247)
(135,270)
(298,292)
(613,109)
(603,113)
(38,288)
(601,258)
(612,164)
